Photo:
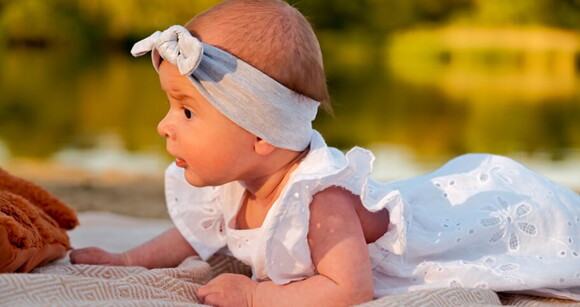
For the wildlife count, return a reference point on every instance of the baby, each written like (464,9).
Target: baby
(251,177)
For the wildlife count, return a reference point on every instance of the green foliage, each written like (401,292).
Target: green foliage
(89,23)
(378,16)
(394,74)
(557,13)
(74,22)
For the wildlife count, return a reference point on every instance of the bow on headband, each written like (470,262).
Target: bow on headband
(176,45)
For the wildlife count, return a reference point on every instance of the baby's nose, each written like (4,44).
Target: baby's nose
(164,128)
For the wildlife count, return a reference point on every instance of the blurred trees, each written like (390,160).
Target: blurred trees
(439,75)
(554,13)
(95,22)
(89,23)
(379,16)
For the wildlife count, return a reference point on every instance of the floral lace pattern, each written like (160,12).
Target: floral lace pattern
(486,221)
(510,222)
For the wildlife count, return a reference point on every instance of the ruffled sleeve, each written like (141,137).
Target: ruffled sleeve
(288,255)
(196,212)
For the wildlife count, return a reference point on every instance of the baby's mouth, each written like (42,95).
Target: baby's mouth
(180,162)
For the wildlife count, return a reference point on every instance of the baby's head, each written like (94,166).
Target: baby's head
(244,81)
(270,35)
(257,62)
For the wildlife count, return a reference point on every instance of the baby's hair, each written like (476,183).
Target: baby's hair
(272,36)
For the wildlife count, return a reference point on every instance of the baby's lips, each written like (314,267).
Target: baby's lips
(180,162)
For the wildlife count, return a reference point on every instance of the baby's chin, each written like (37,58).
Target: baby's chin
(195,180)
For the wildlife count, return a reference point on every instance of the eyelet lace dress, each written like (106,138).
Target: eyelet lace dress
(479,221)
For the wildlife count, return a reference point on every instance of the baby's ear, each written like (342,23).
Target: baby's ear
(262,147)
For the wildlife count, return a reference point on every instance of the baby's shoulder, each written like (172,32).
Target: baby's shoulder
(338,206)
(334,201)
(334,195)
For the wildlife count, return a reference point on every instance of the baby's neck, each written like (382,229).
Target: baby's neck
(257,203)
(267,187)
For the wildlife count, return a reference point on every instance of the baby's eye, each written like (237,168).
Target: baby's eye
(187,113)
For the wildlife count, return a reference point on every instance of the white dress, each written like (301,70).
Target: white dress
(479,221)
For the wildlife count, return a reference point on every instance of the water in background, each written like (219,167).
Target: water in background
(414,109)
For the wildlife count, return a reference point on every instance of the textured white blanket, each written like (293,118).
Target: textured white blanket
(63,284)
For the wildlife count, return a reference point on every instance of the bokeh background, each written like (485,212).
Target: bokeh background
(416,81)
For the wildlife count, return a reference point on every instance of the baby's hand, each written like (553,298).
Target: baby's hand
(95,255)
(228,290)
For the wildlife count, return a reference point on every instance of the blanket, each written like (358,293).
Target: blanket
(81,285)
(64,284)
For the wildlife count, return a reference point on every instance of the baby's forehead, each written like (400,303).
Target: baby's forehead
(172,81)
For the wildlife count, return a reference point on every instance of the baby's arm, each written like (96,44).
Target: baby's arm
(339,253)
(168,249)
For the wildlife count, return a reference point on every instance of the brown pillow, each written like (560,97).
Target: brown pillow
(33,225)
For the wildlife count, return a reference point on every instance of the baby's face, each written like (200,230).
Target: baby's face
(207,145)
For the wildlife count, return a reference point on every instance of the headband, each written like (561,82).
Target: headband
(242,93)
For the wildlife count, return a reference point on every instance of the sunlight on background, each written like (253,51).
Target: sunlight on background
(416,81)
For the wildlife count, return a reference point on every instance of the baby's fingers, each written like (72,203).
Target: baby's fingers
(79,256)
(209,295)
(92,255)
